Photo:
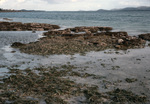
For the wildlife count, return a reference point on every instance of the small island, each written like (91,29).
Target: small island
(22,10)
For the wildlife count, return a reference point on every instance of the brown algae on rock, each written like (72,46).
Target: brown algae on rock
(71,41)
(49,84)
(18,26)
(121,95)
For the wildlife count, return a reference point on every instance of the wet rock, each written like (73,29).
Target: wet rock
(40,29)
(107,29)
(103,44)
(145,36)
(87,32)
(117,34)
(18,26)
(13,51)
(50,86)
(90,29)
(130,80)
(134,42)
(67,41)
(118,46)
(121,95)
(33,31)
(7,19)
(17,44)
(55,26)
(113,37)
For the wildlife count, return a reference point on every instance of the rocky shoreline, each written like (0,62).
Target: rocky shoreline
(48,86)
(81,40)
(145,36)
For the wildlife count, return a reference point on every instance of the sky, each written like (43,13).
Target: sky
(71,5)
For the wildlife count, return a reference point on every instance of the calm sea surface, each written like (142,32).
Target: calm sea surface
(134,22)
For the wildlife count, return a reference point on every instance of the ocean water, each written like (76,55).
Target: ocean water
(134,22)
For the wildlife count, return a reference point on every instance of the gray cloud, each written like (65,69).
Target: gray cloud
(71,4)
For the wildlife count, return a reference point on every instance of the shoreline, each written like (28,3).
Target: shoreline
(80,40)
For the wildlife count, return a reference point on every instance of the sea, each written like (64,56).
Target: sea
(134,22)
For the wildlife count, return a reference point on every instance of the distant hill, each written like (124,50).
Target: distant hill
(142,8)
(102,10)
(22,10)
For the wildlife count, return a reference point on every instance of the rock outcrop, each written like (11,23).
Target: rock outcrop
(17,45)
(145,36)
(90,29)
(80,40)
(18,26)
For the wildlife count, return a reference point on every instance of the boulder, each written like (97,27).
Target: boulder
(120,41)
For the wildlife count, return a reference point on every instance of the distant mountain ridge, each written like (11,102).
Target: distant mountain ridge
(144,8)
(102,10)
(141,8)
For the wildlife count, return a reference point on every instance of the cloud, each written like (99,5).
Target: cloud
(131,3)
(21,0)
(2,1)
(135,3)
(60,1)
(65,5)
(74,0)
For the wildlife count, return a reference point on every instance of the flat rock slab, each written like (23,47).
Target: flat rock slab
(18,26)
(69,42)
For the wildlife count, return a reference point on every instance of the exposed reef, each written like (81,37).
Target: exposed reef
(47,85)
(145,36)
(81,40)
(18,26)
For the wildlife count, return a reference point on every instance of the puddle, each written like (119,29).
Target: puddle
(3,71)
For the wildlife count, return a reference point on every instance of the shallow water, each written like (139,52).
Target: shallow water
(6,39)
(111,66)
(9,37)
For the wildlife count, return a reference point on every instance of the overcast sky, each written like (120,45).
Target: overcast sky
(70,5)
